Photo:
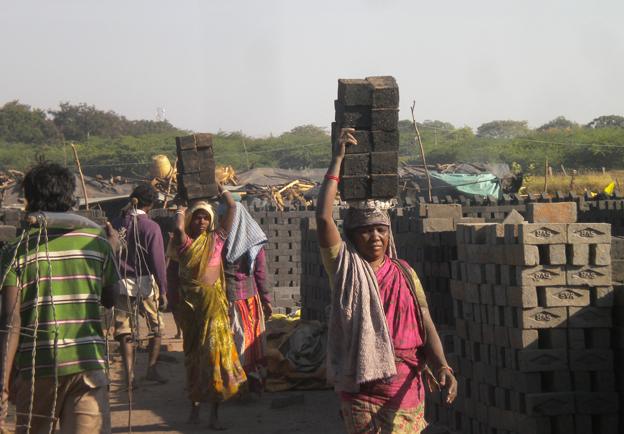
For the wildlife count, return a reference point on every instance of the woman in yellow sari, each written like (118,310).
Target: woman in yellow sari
(213,370)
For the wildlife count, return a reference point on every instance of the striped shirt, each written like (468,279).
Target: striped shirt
(61,290)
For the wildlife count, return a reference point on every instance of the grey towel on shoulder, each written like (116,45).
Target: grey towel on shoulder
(359,347)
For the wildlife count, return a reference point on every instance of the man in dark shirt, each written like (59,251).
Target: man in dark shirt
(144,278)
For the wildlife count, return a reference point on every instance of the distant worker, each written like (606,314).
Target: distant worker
(143,287)
(213,370)
(54,285)
(244,264)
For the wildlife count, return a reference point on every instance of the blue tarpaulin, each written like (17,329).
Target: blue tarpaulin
(485,184)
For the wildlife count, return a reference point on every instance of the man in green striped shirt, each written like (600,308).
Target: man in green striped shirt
(54,282)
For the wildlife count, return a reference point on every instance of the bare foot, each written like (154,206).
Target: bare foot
(153,375)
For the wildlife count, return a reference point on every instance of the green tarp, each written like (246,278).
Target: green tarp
(485,184)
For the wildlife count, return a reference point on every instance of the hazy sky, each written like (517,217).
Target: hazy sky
(265,66)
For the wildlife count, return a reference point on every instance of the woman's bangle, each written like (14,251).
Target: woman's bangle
(332,177)
(445,368)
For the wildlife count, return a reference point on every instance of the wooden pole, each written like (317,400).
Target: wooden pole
(422,151)
(82,181)
(173,169)
(564,171)
(546,175)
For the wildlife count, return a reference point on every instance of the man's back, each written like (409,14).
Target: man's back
(61,284)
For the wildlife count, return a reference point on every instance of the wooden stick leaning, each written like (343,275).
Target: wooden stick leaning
(422,152)
(82,181)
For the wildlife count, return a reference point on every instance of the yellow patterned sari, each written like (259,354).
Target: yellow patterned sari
(213,370)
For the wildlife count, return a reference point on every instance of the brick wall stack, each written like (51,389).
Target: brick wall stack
(315,290)
(284,257)
(533,305)
(9,224)
(196,167)
(425,238)
(371,106)
(617,259)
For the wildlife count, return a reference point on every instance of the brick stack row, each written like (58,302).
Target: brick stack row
(284,257)
(533,305)
(371,106)
(196,167)
(617,259)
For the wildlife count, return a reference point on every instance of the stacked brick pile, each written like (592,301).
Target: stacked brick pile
(196,167)
(533,305)
(617,259)
(315,291)
(284,257)
(371,106)
(425,238)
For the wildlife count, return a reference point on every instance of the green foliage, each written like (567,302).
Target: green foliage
(559,123)
(503,129)
(19,123)
(611,121)
(109,144)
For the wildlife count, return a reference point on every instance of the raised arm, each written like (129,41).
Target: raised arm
(327,231)
(179,235)
(225,223)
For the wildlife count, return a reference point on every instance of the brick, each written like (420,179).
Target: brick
(596,403)
(542,233)
(542,360)
(617,270)
(355,165)
(589,275)
(384,186)
(560,212)
(358,117)
(385,92)
(522,254)
(523,339)
(354,187)
(589,233)
(363,137)
(523,296)
(542,317)
(203,141)
(603,296)
(549,404)
(578,254)
(385,140)
(553,338)
(563,296)
(452,211)
(355,92)
(600,254)
(555,254)
(513,218)
(589,317)
(384,119)
(384,163)
(591,360)
(541,275)
(185,142)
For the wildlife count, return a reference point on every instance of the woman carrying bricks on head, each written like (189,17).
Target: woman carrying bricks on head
(381,337)
(213,370)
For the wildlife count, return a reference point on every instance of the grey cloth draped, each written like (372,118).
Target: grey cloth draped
(359,347)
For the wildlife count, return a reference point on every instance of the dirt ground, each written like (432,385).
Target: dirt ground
(164,408)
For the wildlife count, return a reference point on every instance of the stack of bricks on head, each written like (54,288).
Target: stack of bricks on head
(196,167)
(371,107)
(533,307)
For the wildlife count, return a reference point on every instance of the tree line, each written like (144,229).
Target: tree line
(111,144)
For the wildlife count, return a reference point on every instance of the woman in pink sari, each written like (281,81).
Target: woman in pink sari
(381,336)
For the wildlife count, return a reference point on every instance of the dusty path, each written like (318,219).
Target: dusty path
(164,408)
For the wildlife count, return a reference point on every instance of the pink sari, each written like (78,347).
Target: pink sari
(405,391)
